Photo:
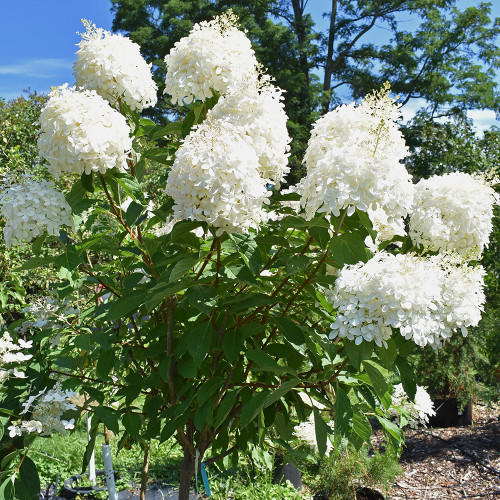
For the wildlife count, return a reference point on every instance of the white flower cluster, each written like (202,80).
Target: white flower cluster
(215,56)
(386,228)
(426,299)
(418,412)
(113,66)
(261,113)
(215,178)
(46,409)
(81,132)
(453,212)
(306,433)
(32,207)
(10,353)
(353,161)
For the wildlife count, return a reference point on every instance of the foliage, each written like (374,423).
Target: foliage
(354,469)
(18,135)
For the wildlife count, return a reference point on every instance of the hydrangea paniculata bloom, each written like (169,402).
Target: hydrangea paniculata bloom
(386,228)
(46,409)
(413,294)
(453,212)
(113,66)
(10,354)
(418,412)
(259,110)
(81,132)
(353,161)
(216,55)
(32,207)
(215,178)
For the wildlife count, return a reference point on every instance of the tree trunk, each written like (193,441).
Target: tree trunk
(186,474)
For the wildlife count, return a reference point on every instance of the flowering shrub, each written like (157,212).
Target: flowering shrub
(207,316)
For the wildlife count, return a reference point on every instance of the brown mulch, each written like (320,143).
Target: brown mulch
(452,463)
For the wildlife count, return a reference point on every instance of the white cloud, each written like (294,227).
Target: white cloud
(483,118)
(37,68)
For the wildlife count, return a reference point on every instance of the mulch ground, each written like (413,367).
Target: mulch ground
(452,463)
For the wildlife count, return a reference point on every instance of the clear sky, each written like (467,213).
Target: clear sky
(38,42)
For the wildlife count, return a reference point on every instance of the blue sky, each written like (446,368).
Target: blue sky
(38,42)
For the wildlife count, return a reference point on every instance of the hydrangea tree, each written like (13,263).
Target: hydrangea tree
(231,312)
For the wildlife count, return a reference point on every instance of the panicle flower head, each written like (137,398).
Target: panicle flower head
(453,212)
(31,208)
(113,66)
(353,161)
(216,55)
(46,409)
(10,353)
(81,132)
(418,412)
(413,294)
(386,228)
(259,110)
(215,179)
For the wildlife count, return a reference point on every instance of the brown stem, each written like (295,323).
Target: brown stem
(222,455)
(207,258)
(170,335)
(144,472)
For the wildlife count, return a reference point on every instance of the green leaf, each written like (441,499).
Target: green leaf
(202,298)
(391,428)
(7,489)
(297,263)
(252,408)
(199,340)
(187,367)
(290,330)
(408,377)
(367,223)
(105,364)
(76,195)
(159,155)
(283,389)
(36,246)
(379,384)
(27,484)
(35,263)
(187,123)
(90,445)
(358,353)
(109,417)
(361,430)
(348,248)
(140,170)
(225,407)
(208,389)
(232,344)
(343,412)
(181,268)
(126,304)
(321,430)
(388,354)
(321,235)
(249,251)
(133,212)
(87,182)
(129,185)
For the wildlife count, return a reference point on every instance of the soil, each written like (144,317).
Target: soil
(454,462)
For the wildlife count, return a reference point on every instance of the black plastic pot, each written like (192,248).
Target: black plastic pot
(449,415)
(71,486)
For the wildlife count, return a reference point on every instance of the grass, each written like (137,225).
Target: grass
(247,481)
